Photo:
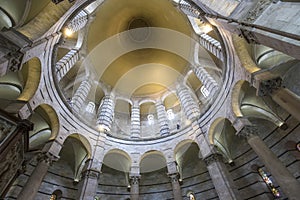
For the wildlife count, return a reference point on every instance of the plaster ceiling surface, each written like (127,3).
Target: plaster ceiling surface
(135,46)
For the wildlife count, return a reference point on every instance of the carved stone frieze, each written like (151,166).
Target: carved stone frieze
(12,44)
(10,163)
(5,128)
(253,14)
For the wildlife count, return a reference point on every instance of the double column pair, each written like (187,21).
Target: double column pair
(174,178)
(136,123)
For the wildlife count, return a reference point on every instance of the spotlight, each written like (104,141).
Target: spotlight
(206,28)
(68,32)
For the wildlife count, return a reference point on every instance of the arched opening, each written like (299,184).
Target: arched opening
(153,171)
(247,104)
(115,175)
(193,171)
(223,136)
(75,152)
(56,195)
(148,117)
(122,120)
(31,73)
(175,115)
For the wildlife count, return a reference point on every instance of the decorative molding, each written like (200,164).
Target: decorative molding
(259,8)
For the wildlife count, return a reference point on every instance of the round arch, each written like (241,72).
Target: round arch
(84,141)
(238,92)
(31,72)
(152,160)
(117,159)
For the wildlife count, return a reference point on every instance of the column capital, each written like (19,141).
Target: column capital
(174,177)
(134,179)
(91,173)
(248,132)
(214,157)
(47,158)
(267,86)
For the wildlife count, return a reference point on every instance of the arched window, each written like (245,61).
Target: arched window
(170,114)
(191,195)
(56,195)
(150,119)
(204,91)
(298,146)
(90,107)
(268,182)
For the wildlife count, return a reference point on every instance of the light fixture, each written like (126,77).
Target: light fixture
(103,128)
(68,32)
(128,188)
(206,28)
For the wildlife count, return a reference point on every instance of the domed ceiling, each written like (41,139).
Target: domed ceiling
(134,45)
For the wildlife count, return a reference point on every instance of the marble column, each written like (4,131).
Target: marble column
(80,96)
(162,118)
(64,65)
(134,187)
(176,186)
(282,96)
(218,172)
(212,45)
(78,22)
(106,113)
(287,182)
(33,183)
(188,104)
(88,184)
(90,175)
(206,79)
(135,120)
(174,178)
(188,9)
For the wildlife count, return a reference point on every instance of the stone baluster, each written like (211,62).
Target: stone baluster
(106,113)
(80,96)
(78,22)
(218,172)
(188,104)
(162,118)
(287,182)
(135,120)
(64,65)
